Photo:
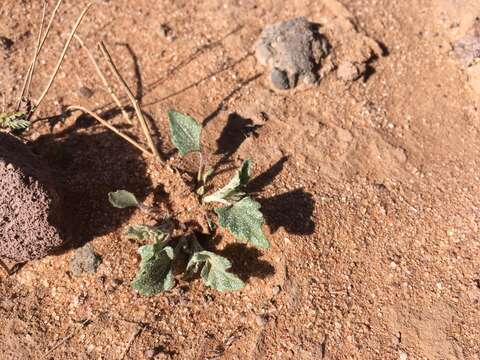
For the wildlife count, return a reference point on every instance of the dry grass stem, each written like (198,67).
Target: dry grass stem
(100,73)
(62,56)
(134,101)
(110,127)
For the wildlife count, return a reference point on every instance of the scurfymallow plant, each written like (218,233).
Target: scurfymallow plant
(237,212)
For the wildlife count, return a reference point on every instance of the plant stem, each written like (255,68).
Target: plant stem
(31,70)
(62,56)
(200,168)
(112,128)
(134,101)
(104,79)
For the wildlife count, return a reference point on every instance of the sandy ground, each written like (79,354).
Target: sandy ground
(370,188)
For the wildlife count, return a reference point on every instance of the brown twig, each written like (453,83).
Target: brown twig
(38,50)
(104,79)
(134,101)
(110,127)
(66,338)
(138,329)
(62,56)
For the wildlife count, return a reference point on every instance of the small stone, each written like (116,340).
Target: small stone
(261,320)
(293,52)
(85,92)
(85,260)
(5,43)
(279,79)
(276,290)
(166,32)
(150,354)
(348,71)
(89,348)
(402,355)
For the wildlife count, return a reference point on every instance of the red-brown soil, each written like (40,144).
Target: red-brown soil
(370,189)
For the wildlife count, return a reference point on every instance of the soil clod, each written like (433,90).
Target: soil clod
(292,51)
(85,260)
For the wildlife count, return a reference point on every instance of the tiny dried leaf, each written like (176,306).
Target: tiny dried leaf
(155,272)
(185,132)
(122,199)
(145,232)
(214,272)
(235,188)
(244,220)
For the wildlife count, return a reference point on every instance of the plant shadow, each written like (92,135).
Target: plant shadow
(87,167)
(246,261)
(292,210)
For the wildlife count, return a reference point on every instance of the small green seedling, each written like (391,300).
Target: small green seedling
(239,214)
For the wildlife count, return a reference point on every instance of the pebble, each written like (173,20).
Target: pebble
(150,354)
(261,320)
(84,260)
(85,92)
(348,71)
(276,290)
(5,43)
(402,355)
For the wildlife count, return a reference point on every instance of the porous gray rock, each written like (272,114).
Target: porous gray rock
(292,50)
(30,205)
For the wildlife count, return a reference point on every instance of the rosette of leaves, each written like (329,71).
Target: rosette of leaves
(239,213)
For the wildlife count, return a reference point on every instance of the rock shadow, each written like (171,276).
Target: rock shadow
(88,166)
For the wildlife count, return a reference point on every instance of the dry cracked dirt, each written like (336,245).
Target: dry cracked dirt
(370,187)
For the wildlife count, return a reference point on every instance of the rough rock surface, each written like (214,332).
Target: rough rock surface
(292,50)
(30,207)
(467,48)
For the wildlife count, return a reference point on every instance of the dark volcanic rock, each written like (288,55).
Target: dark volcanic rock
(30,206)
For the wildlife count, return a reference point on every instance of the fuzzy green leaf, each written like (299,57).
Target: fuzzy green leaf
(155,272)
(235,189)
(214,272)
(145,232)
(185,132)
(122,199)
(244,220)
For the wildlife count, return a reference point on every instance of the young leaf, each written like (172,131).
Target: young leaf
(234,190)
(244,220)
(185,132)
(122,199)
(145,232)
(155,272)
(15,121)
(214,272)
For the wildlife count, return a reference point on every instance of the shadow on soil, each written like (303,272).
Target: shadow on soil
(292,210)
(88,166)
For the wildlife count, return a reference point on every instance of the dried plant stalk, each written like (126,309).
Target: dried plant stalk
(110,127)
(104,80)
(134,101)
